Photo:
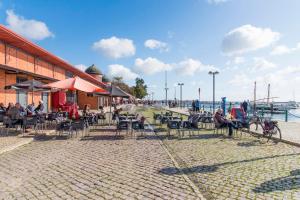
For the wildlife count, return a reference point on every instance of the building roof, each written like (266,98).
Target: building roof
(12,38)
(93,70)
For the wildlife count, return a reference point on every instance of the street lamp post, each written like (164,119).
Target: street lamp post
(180,84)
(213,73)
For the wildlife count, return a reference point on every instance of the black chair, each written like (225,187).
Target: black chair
(51,119)
(122,125)
(218,126)
(41,122)
(64,126)
(78,126)
(12,123)
(30,121)
(173,125)
(138,126)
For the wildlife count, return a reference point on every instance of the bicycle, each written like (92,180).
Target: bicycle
(265,127)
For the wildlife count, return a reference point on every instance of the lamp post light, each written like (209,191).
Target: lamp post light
(180,84)
(213,73)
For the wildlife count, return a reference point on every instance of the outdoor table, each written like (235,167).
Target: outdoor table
(129,123)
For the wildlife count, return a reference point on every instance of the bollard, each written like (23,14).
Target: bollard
(286,115)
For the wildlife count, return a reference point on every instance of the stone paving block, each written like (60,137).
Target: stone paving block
(91,169)
(242,168)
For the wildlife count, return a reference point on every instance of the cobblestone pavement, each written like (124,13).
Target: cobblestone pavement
(8,143)
(240,168)
(99,167)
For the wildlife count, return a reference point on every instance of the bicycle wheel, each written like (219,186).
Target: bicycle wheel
(276,133)
(255,128)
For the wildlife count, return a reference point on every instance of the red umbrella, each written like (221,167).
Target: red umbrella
(76,83)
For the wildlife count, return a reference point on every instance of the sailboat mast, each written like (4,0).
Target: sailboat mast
(254,99)
(268,99)
(166,87)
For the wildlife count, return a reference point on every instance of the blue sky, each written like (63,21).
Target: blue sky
(246,40)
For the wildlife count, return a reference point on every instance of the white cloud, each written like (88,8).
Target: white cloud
(81,67)
(248,38)
(190,67)
(121,71)
(216,1)
(156,44)
(240,79)
(283,82)
(282,49)
(153,86)
(115,47)
(261,64)
(29,28)
(151,66)
(236,61)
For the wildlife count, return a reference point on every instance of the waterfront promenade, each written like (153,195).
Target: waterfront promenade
(290,130)
(152,166)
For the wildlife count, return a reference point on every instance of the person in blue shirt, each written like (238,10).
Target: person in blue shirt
(197,105)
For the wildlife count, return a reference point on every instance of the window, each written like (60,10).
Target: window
(69,74)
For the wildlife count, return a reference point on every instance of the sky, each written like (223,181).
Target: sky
(245,40)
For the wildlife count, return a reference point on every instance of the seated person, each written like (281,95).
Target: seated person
(10,105)
(40,107)
(86,110)
(223,122)
(30,109)
(142,122)
(16,114)
(116,113)
(2,108)
(101,114)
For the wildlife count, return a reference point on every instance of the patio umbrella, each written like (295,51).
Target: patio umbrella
(28,86)
(76,83)
(114,91)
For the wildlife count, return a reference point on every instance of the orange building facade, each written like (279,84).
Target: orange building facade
(22,60)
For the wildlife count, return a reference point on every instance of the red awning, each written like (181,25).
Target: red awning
(76,83)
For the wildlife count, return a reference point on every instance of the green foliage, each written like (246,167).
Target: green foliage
(117,81)
(140,88)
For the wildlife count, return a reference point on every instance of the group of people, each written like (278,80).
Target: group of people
(16,111)
(196,105)
(224,121)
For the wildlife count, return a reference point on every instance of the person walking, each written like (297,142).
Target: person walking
(193,106)
(197,105)
(245,106)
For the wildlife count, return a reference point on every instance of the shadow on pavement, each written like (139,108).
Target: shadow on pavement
(280,184)
(249,144)
(214,167)
(191,170)
(203,136)
(103,137)
(41,138)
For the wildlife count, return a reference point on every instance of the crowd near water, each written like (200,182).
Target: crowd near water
(293,114)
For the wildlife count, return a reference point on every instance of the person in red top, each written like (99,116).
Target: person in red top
(223,122)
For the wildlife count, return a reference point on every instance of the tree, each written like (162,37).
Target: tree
(118,81)
(140,88)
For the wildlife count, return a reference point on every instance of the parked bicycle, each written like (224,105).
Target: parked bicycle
(266,127)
